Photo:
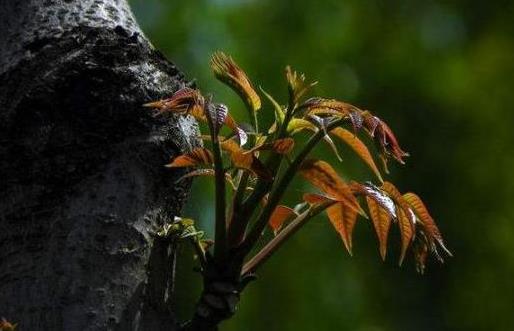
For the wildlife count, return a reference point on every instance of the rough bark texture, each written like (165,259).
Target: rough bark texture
(82,185)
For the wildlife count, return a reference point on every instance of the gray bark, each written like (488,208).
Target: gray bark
(82,184)
(27,21)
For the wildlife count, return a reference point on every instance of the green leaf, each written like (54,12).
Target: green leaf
(279,111)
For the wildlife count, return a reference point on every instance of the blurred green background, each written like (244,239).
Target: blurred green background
(442,75)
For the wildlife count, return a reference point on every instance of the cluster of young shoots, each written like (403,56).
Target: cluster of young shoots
(253,168)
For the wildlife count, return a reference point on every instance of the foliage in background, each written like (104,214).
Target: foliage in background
(447,69)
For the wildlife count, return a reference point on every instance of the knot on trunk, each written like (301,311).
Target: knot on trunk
(218,302)
(220,296)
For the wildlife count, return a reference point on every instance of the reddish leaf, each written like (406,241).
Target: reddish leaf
(241,159)
(315,199)
(384,136)
(279,146)
(227,71)
(196,157)
(422,213)
(391,143)
(198,112)
(190,101)
(427,222)
(283,146)
(324,112)
(406,231)
(381,219)
(343,219)
(231,146)
(405,215)
(179,102)
(400,202)
(370,122)
(280,215)
(323,176)
(184,101)
(321,106)
(358,146)
(375,193)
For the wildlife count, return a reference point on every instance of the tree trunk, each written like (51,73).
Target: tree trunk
(82,186)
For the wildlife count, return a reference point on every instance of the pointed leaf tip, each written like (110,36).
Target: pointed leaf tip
(405,216)
(227,71)
(297,84)
(358,147)
(343,220)
(196,157)
(427,223)
(381,220)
